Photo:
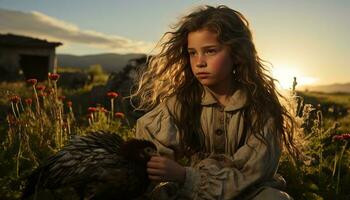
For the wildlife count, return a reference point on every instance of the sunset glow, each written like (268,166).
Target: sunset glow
(285,75)
(311,44)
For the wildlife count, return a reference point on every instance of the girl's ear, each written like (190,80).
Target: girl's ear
(236,59)
(236,63)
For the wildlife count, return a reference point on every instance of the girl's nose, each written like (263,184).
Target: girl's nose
(201,62)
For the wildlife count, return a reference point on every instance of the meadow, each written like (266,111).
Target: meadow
(37,119)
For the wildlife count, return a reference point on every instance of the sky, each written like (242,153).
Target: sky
(308,39)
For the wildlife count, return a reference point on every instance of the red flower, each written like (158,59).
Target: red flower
(104,110)
(119,115)
(12,120)
(49,90)
(42,94)
(338,137)
(92,109)
(40,87)
(69,104)
(112,95)
(32,81)
(29,101)
(61,98)
(15,99)
(54,76)
(65,125)
(345,136)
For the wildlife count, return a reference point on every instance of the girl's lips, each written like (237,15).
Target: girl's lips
(203,75)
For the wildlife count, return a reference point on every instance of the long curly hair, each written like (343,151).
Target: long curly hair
(169,74)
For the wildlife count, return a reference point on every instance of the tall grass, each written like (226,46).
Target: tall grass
(39,123)
(40,120)
(323,172)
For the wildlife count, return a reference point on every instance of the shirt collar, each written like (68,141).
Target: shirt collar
(237,100)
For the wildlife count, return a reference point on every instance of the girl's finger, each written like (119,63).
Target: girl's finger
(152,164)
(156,158)
(155,165)
(152,171)
(155,178)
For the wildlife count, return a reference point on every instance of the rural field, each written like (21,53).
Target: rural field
(68,122)
(37,119)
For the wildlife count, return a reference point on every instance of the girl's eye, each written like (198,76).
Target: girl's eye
(191,53)
(211,51)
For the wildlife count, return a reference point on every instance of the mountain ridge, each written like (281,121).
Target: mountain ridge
(330,88)
(113,62)
(110,62)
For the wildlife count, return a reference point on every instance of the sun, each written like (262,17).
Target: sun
(285,75)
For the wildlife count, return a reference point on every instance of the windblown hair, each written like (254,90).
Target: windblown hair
(169,74)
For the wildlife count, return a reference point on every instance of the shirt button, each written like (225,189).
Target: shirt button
(219,132)
(220,149)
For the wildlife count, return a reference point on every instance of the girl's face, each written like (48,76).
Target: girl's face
(211,62)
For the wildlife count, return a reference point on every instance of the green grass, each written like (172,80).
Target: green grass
(342,99)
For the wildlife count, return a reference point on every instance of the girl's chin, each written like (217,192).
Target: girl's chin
(207,81)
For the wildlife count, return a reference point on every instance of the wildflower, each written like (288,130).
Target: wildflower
(32,81)
(119,115)
(338,158)
(69,104)
(92,109)
(112,95)
(29,101)
(62,98)
(11,119)
(346,136)
(42,94)
(341,137)
(15,99)
(40,87)
(338,137)
(65,125)
(53,76)
(104,110)
(49,91)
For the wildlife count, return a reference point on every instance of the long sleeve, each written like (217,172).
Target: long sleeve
(158,127)
(225,177)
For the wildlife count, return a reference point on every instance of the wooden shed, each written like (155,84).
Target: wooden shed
(26,57)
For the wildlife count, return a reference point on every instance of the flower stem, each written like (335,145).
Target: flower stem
(37,100)
(112,108)
(339,168)
(18,154)
(13,110)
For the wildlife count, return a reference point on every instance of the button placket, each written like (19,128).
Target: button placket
(222,120)
(219,132)
(219,143)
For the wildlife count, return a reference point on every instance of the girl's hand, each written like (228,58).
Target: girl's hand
(163,169)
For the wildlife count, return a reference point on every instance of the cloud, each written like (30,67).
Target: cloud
(39,25)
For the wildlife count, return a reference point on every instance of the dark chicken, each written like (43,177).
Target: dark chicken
(100,165)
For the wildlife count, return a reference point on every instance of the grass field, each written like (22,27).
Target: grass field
(325,174)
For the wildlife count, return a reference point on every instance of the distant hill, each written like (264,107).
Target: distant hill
(110,62)
(332,88)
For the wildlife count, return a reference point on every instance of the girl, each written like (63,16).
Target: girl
(211,100)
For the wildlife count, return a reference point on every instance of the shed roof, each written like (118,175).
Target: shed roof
(20,40)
